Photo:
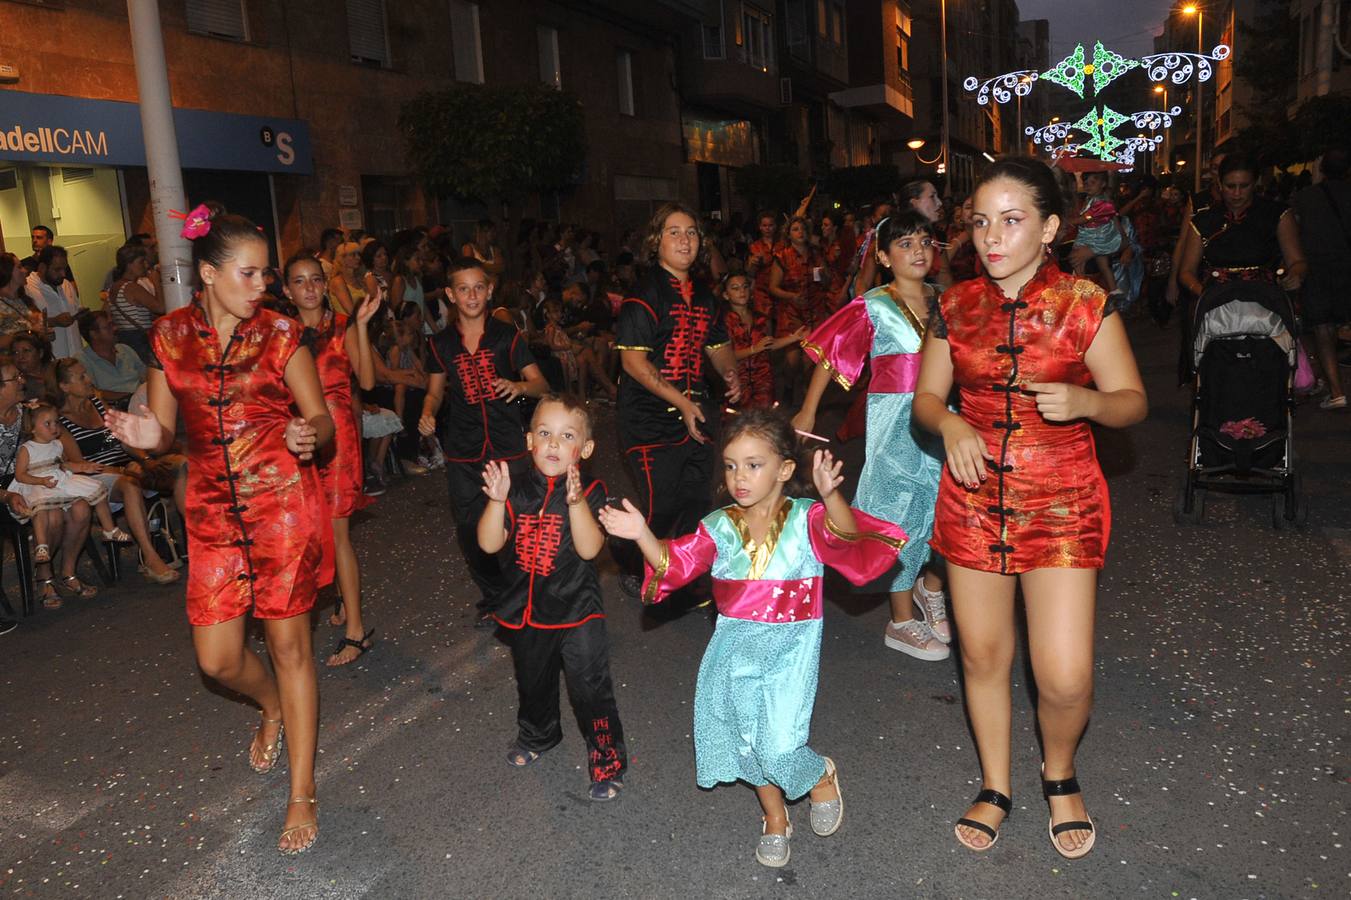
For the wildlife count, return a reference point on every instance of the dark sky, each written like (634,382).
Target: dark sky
(1126,26)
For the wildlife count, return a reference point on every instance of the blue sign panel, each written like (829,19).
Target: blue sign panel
(49,128)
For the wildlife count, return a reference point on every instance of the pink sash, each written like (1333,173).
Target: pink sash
(765,600)
(897,373)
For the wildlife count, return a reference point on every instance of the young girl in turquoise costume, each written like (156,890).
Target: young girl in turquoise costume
(757,682)
(899,481)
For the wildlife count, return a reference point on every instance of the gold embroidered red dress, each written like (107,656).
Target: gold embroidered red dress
(340,462)
(1044,504)
(256,518)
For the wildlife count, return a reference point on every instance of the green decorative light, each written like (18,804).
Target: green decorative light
(1069,72)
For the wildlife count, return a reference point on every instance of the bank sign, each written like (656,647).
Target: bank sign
(48,128)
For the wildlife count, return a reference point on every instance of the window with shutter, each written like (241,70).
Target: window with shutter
(465,42)
(366,34)
(218,18)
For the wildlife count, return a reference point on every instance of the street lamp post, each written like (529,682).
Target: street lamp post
(943,53)
(1189,9)
(1167,141)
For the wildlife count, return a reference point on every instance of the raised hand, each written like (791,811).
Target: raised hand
(140,430)
(733,379)
(496,481)
(628,522)
(575,494)
(368,308)
(301,438)
(826,471)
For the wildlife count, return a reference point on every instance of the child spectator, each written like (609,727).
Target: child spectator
(1100,233)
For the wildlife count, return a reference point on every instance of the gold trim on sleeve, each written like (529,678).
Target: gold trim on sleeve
(632,347)
(658,573)
(835,373)
(894,543)
(711,347)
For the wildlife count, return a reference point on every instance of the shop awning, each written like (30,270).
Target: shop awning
(53,129)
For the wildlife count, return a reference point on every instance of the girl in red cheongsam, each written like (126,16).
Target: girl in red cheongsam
(798,283)
(752,340)
(341,345)
(1037,356)
(257,523)
(760,262)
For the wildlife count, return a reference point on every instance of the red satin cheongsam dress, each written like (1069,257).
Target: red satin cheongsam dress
(256,518)
(1044,504)
(340,462)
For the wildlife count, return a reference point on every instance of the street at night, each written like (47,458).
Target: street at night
(1214,765)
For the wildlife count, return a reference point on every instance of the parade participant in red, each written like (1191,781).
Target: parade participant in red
(340,346)
(798,283)
(544,526)
(663,334)
(256,515)
(837,247)
(752,341)
(1038,356)
(480,366)
(760,263)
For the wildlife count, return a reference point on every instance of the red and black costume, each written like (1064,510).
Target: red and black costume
(813,306)
(340,462)
(762,301)
(551,602)
(674,323)
(755,372)
(257,525)
(477,426)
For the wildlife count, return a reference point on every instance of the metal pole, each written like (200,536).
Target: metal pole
(943,41)
(1019,145)
(161,152)
(1200,98)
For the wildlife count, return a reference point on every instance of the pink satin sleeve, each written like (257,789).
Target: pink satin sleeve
(843,342)
(859,556)
(683,559)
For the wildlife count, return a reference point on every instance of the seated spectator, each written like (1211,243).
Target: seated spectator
(49,286)
(33,357)
(127,473)
(66,529)
(133,300)
(115,368)
(347,286)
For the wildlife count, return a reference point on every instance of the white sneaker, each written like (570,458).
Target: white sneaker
(913,638)
(934,606)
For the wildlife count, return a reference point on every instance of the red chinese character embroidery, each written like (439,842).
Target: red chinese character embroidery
(684,352)
(537,540)
(477,373)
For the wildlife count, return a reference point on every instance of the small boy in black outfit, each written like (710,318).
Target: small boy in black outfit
(544,527)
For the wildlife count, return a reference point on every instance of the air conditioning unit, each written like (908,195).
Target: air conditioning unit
(785,91)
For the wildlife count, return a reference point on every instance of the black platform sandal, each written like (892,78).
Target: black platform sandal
(362,646)
(1063,788)
(994,798)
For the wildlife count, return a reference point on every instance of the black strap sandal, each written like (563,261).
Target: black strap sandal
(994,798)
(362,645)
(1066,787)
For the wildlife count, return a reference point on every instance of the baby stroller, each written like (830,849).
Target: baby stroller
(1244,350)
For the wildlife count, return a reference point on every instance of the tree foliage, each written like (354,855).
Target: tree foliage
(856,185)
(779,187)
(495,142)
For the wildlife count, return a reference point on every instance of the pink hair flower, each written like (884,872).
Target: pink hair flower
(196,223)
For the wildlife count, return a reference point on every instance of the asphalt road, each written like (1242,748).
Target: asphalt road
(1215,766)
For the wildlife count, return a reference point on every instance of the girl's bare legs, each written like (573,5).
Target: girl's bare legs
(349,585)
(1105,269)
(589,366)
(400,391)
(1060,607)
(288,643)
(375,459)
(40,527)
(74,528)
(982,604)
(775,809)
(105,515)
(223,656)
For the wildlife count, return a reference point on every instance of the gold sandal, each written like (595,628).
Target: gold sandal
(296,851)
(270,751)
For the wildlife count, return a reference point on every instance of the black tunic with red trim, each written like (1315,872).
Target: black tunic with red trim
(476,425)
(674,324)
(545,583)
